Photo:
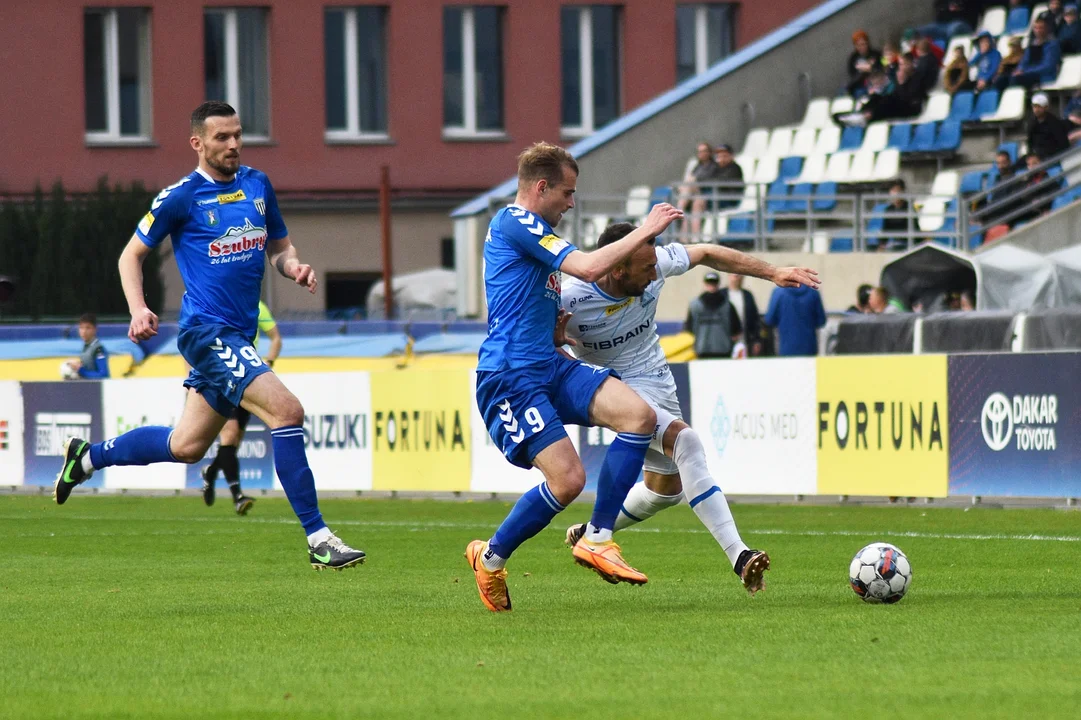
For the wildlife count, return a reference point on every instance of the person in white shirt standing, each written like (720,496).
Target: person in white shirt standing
(611,323)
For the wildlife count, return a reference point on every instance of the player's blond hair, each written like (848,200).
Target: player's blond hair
(544,161)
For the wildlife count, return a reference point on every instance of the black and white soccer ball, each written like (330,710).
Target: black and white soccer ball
(880,573)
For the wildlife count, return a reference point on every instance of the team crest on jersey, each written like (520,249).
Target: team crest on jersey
(212,218)
(238,244)
(260,205)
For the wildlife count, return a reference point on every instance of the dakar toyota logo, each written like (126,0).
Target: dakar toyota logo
(996,422)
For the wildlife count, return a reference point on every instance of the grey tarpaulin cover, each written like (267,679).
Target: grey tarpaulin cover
(433,289)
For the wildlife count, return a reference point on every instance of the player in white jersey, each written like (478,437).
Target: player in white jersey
(611,323)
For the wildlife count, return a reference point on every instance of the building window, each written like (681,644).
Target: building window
(705,34)
(117,74)
(591,77)
(235,50)
(472,71)
(355,40)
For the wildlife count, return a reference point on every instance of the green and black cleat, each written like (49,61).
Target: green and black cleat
(334,554)
(72,473)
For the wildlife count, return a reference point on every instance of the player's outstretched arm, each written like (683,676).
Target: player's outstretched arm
(728,260)
(283,256)
(144,323)
(591,267)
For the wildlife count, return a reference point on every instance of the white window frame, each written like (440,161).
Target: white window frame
(111,29)
(232,66)
(701,39)
(585,74)
(468,128)
(353,131)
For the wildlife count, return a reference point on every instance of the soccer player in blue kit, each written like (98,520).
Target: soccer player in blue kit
(224,222)
(527,389)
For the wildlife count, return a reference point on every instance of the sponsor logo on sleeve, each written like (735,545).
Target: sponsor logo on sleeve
(232,197)
(145,223)
(553,244)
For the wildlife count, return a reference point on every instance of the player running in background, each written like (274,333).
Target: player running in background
(613,326)
(224,222)
(526,389)
(226,460)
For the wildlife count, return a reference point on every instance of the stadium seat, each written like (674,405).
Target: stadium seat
(877,137)
(803,142)
(945,184)
(777,196)
(863,165)
(689,167)
(937,108)
(841,104)
(900,136)
(1010,148)
(948,138)
(932,214)
(986,106)
(638,201)
(825,196)
(662,194)
(961,107)
(756,143)
(1071,168)
(767,170)
(740,225)
(887,165)
(1066,198)
(1069,75)
(746,164)
(1011,107)
(829,140)
(923,138)
(962,41)
(799,198)
(790,167)
(1017,20)
(780,142)
(875,224)
(814,169)
(818,114)
(1055,171)
(851,137)
(994,21)
(749,203)
(972,182)
(841,244)
(838,167)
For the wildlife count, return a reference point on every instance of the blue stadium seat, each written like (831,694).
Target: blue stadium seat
(791,167)
(777,195)
(976,239)
(986,104)
(1017,20)
(900,136)
(798,202)
(972,182)
(1011,148)
(851,138)
(1067,197)
(841,244)
(961,108)
(949,224)
(660,195)
(745,224)
(923,138)
(827,202)
(1056,171)
(948,138)
(875,224)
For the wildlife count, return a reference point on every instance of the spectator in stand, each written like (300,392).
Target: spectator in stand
(93,362)
(713,321)
(863,296)
(956,78)
(693,194)
(1048,134)
(1055,13)
(886,100)
(891,60)
(927,66)
(1036,192)
(986,61)
(881,303)
(1001,191)
(746,308)
(860,63)
(952,17)
(796,313)
(895,219)
(1073,116)
(729,172)
(1009,64)
(1041,60)
(967,301)
(1069,32)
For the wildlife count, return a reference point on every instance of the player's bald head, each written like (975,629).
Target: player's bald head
(209,109)
(544,161)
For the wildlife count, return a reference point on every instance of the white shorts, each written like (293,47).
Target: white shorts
(660,394)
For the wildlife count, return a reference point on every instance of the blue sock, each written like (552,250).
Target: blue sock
(296,477)
(619,473)
(141,446)
(529,516)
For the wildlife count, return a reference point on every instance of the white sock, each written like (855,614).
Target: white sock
(704,495)
(319,536)
(642,504)
(88,467)
(597,535)
(491,561)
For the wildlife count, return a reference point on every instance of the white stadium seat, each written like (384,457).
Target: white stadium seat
(749,203)
(876,137)
(1069,77)
(838,167)
(690,166)
(887,164)
(746,164)
(945,184)
(638,201)
(994,21)
(767,170)
(863,165)
(936,109)
(814,169)
(829,139)
(780,142)
(932,214)
(842,104)
(803,143)
(818,113)
(756,143)
(1011,106)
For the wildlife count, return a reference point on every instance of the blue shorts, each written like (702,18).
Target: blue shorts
(223,364)
(525,408)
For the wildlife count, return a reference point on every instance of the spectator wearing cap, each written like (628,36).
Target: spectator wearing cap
(986,61)
(796,313)
(1069,32)
(713,321)
(860,63)
(1041,59)
(1048,134)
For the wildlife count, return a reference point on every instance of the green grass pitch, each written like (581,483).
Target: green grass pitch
(125,607)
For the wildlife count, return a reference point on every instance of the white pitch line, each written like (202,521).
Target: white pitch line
(413,526)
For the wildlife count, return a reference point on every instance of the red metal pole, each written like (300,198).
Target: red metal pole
(388,264)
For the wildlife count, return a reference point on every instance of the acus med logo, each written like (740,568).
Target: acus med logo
(882,426)
(421,431)
(53,412)
(1014,424)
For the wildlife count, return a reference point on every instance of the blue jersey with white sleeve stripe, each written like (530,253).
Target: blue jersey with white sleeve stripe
(522,256)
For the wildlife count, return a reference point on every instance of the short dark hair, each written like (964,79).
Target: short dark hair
(899,182)
(209,109)
(863,294)
(89,318)
(616,231)
(1003,153)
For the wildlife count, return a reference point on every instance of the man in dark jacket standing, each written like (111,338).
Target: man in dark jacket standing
(742,301)
(713,321)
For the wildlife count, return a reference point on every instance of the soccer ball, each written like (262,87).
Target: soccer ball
(880,573)
(67,371)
